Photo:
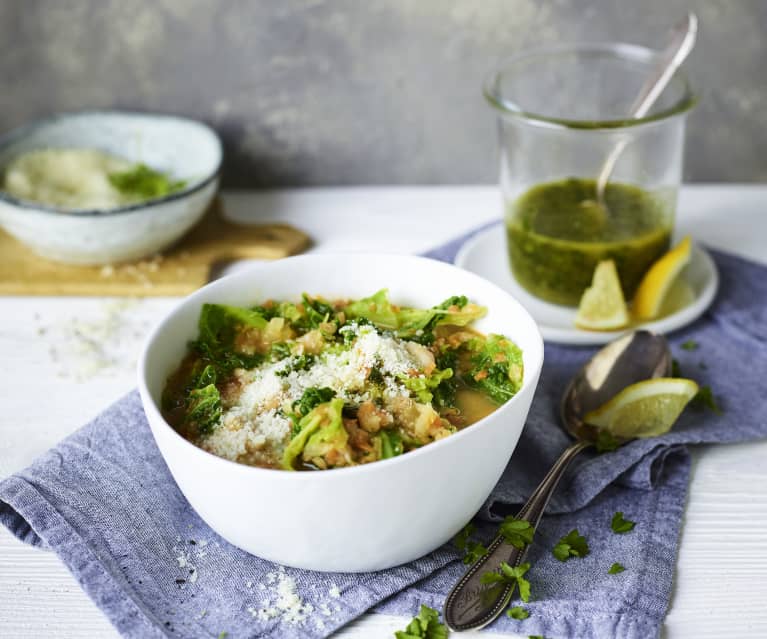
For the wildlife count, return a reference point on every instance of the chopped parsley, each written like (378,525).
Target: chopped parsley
(517,532)
(510,575)
(689,345)
(517,612)
(621,525)
(616,568)
(705,399)
(605,442)
(425,625)
(676,370)
(573,544)
(475,550)
(461,539)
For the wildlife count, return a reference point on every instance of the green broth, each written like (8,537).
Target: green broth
(557,234)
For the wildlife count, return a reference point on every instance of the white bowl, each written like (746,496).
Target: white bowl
(368,517)
(187,149)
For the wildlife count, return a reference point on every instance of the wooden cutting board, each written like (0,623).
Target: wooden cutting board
(178,271)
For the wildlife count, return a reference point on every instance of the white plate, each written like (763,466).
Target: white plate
(485,254)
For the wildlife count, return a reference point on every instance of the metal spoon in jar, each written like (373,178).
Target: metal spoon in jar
(682,41)
(632,358)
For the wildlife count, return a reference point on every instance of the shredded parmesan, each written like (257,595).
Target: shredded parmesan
(255,420)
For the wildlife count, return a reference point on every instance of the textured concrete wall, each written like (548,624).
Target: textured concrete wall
(362,91)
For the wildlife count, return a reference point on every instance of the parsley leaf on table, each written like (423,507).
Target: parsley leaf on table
(690,345)
(621,525)
(605,442)
(517,612)
(616,568)
(513,575)
(425,625)
(705,398)
(474,550)
(573,544)
(461,539)
(517,532)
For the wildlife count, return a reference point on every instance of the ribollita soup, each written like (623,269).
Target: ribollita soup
(322,384)
(557,234)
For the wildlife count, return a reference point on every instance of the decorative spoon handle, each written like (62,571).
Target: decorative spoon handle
(471,604)
(682,41)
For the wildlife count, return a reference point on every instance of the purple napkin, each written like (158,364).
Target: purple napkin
(104,502)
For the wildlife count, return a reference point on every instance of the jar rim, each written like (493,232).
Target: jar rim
(631,52)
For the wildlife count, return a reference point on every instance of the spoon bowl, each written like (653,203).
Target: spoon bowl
(632,358)
(629,359)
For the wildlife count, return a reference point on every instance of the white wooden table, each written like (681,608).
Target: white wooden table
(56,373)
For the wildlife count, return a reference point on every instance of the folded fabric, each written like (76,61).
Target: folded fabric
(104,502)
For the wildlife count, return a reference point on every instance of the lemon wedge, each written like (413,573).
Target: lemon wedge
(602,306)
(656,283)
(644,409)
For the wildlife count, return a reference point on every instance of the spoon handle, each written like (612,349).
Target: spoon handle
(681,43)
(471,604)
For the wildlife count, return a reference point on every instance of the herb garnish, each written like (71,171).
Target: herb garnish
(517,612)
(517,532)
(142,182)
(676,370)
(689,345)
(605,442)
(473,549)
(301,362)
(573,544)
(511,575)
(705,399)
(312,397)
(616,568)
(425,625)
(621,525)
(460,540)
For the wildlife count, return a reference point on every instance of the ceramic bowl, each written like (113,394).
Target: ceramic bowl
(187,149)
(367,517)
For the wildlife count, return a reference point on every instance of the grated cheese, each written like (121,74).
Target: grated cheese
(287,604)
(255,421)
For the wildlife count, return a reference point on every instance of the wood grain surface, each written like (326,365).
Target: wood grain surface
(182,269)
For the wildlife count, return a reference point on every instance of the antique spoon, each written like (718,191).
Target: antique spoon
(682,41)
(632,358)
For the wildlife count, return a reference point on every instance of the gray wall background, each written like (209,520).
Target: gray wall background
(308,92)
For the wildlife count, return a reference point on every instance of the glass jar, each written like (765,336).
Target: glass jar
(562,111)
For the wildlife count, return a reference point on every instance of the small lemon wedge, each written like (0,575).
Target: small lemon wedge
(656,283)
(602,306)
(644,409)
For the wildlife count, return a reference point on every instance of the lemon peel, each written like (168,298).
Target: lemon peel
(659,281)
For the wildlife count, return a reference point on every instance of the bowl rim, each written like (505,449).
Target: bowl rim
(19,132)
(149,405)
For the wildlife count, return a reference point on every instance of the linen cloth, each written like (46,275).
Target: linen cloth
(105,503)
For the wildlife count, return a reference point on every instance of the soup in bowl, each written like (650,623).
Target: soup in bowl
(409,401)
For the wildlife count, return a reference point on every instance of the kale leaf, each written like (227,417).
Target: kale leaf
(496,367)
